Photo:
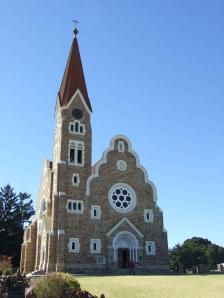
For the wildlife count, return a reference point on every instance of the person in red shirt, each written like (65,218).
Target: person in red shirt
(131,266)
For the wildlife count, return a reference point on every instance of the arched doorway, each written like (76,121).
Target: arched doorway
(125,246)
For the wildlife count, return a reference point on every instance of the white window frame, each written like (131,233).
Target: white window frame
(98,246)
(75,145)
(153,248)
(151,215)
(121,146)
(98,212)
(43,207)
(78,179)
(70,125)
(77,245)
(79,125)
(72,210)
(99,258)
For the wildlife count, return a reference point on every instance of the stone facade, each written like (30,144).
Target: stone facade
(97,218)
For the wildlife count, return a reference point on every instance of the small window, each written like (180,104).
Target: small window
(95,246)
(121,147)
(75,179)
(77,128)
(150,248)
(148,215)
(42,208)
(95,212)
(75,206)
(70,206)
(43,205)
(73,245)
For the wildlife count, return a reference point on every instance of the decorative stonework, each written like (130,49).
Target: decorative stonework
(122,197)
(121,165)
(103,161)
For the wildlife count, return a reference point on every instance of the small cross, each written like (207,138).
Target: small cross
(76,22)
(76,31)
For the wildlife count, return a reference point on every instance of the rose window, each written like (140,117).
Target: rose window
(122,197)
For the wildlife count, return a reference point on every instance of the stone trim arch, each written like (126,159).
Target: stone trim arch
(128,237)
(77,92)
(125,239)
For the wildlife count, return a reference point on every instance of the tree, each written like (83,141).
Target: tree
(215,255)
(175,258)
(195,252)
(15,210)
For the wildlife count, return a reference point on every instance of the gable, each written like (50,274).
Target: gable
(104,160)
(122,222)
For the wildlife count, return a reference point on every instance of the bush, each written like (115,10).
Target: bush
(5,265)
(56,285)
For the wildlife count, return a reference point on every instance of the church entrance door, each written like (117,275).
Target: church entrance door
(123,257)
(125,248)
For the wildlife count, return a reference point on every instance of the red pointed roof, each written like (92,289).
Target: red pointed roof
(73,78)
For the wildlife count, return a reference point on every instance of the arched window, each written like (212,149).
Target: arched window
(76,127)
(43,206)
(121,146)
(76,153)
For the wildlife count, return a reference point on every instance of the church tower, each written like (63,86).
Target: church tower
(92,219)
(72,148)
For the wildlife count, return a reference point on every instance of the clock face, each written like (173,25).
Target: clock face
(77,113)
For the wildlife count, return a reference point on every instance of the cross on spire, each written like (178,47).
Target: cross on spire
(76,22)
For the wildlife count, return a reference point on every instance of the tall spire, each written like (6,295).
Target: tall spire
(73,77)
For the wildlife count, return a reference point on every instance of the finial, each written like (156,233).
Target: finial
(76,31)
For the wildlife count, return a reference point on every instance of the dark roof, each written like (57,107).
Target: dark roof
(73,77)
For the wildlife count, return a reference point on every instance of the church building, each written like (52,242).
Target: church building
(92,218)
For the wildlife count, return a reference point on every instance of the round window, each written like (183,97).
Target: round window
(77,113)
(122,197)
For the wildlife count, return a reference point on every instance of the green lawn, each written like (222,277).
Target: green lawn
(190,286)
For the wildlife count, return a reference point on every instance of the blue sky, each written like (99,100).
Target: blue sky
(154,72)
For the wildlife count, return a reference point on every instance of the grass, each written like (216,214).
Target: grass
(188,286)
